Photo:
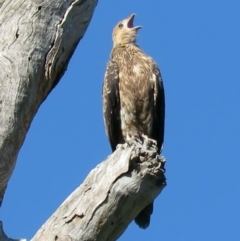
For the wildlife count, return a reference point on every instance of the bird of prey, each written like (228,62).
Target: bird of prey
(133,96)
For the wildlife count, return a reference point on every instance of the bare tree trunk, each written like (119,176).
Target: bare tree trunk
(111,196)
(37,40)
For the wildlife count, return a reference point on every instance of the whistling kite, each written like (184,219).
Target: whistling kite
(133,95)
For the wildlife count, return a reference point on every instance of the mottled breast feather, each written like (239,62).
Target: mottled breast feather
(133,102)
(134,96)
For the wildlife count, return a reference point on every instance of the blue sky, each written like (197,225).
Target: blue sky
(196,44)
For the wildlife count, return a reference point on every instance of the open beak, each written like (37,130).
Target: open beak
(130,22)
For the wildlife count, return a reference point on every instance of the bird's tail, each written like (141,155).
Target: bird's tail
(143,218)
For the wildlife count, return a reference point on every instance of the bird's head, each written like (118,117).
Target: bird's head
(124,32)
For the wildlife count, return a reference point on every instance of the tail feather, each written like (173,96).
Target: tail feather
(143,218)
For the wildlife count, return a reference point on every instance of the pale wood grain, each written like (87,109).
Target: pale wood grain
(37,40)
(110,197)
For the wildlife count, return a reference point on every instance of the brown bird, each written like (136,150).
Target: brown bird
(133,96)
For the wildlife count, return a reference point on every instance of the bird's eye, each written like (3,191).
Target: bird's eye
(120,25)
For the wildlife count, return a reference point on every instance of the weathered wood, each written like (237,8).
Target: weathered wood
(110,197)
(37,40)
(1,3)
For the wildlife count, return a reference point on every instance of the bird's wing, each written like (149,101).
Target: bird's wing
(111,104)
(159,104)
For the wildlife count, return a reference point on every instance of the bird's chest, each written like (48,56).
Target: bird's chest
(135,78)
(136,91)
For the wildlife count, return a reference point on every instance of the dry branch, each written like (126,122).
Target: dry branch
(37,40)
(110,197)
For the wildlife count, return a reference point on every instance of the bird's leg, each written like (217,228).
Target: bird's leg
(145,137)
(141,138)
(148,141)
(137,136)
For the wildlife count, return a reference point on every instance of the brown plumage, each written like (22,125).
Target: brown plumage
(133,96)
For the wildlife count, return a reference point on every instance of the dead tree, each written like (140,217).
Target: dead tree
(37,40)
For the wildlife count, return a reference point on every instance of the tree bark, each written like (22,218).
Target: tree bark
(110,197)
(37,40)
